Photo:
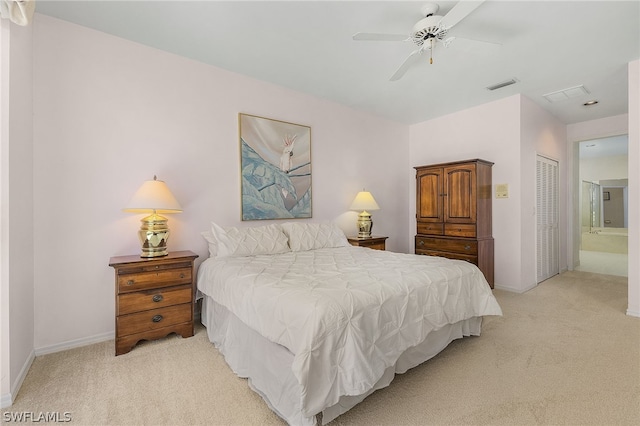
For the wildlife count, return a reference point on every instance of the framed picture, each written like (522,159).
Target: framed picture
(275,159)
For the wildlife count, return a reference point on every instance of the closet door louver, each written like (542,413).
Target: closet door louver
(547,212)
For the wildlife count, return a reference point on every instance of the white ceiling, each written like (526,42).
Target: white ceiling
(307,46)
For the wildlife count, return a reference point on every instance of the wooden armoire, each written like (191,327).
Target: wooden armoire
(453,212)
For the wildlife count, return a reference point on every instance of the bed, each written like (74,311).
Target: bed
(316,324)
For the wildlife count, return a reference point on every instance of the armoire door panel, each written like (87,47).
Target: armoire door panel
(460,199)
(429,205)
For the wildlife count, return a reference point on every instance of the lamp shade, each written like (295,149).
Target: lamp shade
(153,196)
(364,201)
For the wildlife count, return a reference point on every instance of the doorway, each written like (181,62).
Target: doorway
(603,205)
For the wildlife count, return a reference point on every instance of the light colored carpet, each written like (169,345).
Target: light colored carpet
(564,353)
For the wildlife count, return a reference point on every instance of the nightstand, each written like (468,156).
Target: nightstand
(154,297)
(373,242)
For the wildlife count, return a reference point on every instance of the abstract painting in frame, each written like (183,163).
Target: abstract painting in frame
(275,159)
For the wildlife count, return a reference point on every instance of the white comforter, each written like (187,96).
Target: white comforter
(345,313)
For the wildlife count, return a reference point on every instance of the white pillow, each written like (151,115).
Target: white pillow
(267,239)
(212,242)
(309,236)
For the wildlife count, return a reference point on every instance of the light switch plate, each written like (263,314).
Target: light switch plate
(502,190)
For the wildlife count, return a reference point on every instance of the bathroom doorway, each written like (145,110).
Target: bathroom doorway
(603,171)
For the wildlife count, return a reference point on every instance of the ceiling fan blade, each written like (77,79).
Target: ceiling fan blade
(459,12)
(411,59)
(380,37)
(471,41)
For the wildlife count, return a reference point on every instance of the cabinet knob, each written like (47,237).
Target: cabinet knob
(130,282)
(157,298)
(157,318)
(182,275)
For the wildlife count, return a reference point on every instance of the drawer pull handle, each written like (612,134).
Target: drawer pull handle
(157,298)
(130,282)
(467,247)
(182,275)
(420,243)
(156,318)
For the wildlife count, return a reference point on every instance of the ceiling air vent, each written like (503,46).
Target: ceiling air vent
(571,92)
(503,84)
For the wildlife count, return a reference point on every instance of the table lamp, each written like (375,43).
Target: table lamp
(153,197)
(364,201)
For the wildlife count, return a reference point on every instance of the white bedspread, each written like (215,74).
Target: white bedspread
(345,313)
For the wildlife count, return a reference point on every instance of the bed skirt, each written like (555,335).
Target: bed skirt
(267,365)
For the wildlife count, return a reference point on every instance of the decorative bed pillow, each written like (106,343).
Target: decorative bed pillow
(212,242)
(309,236)
(231,242)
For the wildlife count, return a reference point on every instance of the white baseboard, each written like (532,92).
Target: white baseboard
(633,313)
(514,290)
(76,343)
(7,400)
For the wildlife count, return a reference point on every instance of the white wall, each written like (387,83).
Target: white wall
(16,211)
(5,346)
(603,168)
(110,114)
(509,132)
(634,189)
(490,132)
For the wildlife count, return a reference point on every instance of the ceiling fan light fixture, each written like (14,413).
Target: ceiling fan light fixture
(428,23)
(426,32)
(428,28)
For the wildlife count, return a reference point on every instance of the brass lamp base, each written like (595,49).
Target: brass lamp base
(153,235)
(365,225)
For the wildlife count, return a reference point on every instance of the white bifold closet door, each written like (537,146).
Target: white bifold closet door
(547,212)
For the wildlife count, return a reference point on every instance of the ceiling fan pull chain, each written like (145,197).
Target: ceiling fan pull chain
(431,53)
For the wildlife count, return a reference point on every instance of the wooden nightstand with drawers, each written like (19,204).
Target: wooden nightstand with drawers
(154,297)
(377,243)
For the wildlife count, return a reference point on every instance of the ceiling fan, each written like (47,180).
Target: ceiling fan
(426,32)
